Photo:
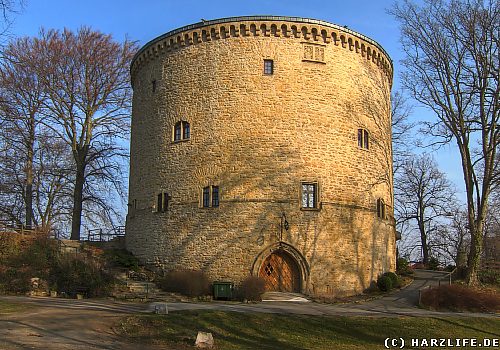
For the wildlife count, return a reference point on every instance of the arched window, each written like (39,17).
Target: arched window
(363,141)
(182,131)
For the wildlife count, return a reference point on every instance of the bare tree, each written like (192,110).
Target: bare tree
(86,78)
(424,195)
(32,162)
(453,239)
(402,137)
(452,67)
(21,99)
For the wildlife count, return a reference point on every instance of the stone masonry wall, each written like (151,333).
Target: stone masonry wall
(258,137)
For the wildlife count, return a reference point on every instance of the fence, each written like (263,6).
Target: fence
(14,227)
(99,235)
(491,265)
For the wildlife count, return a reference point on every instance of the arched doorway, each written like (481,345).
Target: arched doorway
(281,272)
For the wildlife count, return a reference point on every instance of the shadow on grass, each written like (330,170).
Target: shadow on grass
(235,330)
(467,325)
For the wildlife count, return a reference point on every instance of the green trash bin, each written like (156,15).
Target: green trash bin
(223,290)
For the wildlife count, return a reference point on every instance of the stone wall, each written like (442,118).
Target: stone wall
(258,137)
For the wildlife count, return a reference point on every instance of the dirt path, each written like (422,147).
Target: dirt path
(65,324)
(63,328)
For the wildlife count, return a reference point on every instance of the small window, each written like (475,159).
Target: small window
(162,202)
(309,195)
(215,196)
(206,197)
(153,85)
(268,67)
(363,138)
(381,208)
(182,131)
(186,132)
(210,197)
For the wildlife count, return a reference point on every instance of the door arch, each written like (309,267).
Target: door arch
(281,272)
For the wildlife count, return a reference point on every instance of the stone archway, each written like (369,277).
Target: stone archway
(282,267)
(280,272)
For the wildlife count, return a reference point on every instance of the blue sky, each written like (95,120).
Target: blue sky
(147,19)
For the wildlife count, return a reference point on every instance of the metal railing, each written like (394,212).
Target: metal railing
(100,235)
(14,227)
(448,277)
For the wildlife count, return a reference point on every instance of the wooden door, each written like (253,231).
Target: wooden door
(281,273)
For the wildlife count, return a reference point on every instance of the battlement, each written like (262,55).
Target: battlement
(268,26)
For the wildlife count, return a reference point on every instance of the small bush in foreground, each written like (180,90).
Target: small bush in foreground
(396,281)
(251,289)
(187,282)
(403,267)
(457,297)
(384,283)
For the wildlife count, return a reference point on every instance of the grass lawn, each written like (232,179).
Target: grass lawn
(7,307)
(232,330)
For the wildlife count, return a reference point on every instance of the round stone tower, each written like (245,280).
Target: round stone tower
(262,146)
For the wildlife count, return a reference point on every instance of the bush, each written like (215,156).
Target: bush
(14,280)
(457,297)
(251,289)
(122,258)
(395,280)
(489,277)
(403,267)
(75,275)
(449,268)
(384,283)
(23,259)
(433,263)
(187,282)
(37,255)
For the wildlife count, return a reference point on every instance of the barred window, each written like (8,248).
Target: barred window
(309,195)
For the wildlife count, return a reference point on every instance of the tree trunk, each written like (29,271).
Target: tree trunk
(29,203)
(474,258)
(76,219)
(28,195)
(423,240)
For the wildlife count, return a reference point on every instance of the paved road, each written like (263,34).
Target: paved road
(64,324)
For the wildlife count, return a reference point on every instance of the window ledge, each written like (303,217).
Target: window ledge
(180,141)
(318,208)
(313,61)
